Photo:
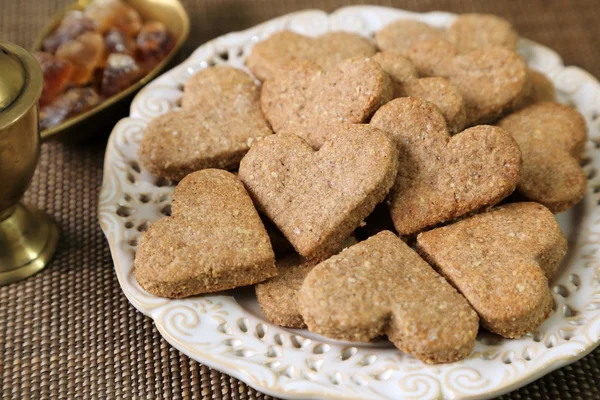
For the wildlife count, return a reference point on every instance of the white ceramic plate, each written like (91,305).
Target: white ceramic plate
(227,331)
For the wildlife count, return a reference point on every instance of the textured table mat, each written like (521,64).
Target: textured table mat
(69,332)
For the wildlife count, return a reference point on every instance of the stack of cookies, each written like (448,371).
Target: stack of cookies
(407,185)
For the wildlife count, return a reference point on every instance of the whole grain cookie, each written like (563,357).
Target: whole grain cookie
(286,47)
(401,34)
(468,32)
(382,287)
(492,81)
(439,91)
(440,177)
(501,262)
(471,32)
(551,137)
(305,100)
(278,296)
(220,118)
(541,89)
(317,198)
(213,241)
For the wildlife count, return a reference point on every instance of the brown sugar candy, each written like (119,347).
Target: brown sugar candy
(109,14)
(278,296)
(86,53)
(57,73)
(304,100)
(382,287)
(220,118)
(441,178)
(318,198)
(213,241)
(492,81)
(73,24)
(439,91)
(551,137)
(284,48)
(501,262)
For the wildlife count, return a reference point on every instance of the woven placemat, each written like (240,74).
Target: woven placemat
(69,332)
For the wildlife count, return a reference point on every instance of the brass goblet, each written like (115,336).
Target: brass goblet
(28,237)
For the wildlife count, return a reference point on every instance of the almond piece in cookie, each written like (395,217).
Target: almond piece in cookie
(318,198)
(220,118)
(492,80)
(305,100)
(439,91)
(401,34)
(382,287)
(501,262)
(213,241)
(471,32)
(551,137)
(440,177)
(286,47)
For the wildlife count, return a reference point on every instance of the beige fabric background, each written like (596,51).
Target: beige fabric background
(69,332)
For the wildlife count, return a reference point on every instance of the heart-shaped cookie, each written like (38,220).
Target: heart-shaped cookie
(220,118)
(382,287)
(491,80)
(286,47)
(441,178)
(318,198)
(213,241)
(468,32)
(551,137)
(305,100)
(501,262)
(439,91)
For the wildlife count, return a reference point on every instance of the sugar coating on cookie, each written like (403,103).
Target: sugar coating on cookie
(440,177)
(286,47)
(305,100)
(439,91)
(551,137)
(400,35)
(318,198)
(213,241)
(501,262)
(382,287)
(492,80)
(476,31)
(220,118)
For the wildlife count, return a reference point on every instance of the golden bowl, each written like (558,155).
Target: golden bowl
(169,12)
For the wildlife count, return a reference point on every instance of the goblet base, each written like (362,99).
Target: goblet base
(28,239)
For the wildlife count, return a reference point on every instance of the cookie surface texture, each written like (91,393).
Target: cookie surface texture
(400,35)
(219,119)
(382,287)
(551,137)
(286,47)
(305,100)
(501,262)
(492,80)
(213,241)
(440,177)
(317,199)
(471,32)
